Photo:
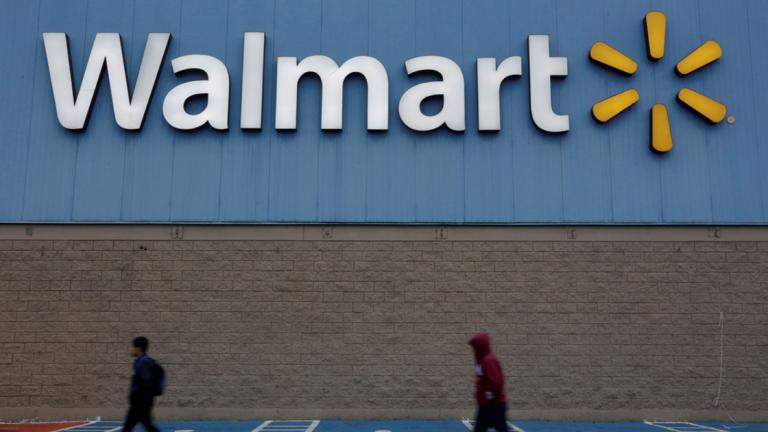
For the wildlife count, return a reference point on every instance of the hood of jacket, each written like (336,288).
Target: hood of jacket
(481,344)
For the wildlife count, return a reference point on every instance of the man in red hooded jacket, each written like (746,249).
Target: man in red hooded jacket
(489,391)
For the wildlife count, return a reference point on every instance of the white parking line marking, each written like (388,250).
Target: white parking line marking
(74,427)
(288,426)
(683,426)
(96,426)
(470,424)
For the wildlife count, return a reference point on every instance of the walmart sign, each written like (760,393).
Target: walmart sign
(129,113)
(383,111)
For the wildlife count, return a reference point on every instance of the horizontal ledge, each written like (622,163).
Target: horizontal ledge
(381,232)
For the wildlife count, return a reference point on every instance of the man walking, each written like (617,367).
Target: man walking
(144,387)
(489,390)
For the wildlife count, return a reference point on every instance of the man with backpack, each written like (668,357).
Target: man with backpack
(148,381)
(489,390)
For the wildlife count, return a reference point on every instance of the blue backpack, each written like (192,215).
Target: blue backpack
(159,380)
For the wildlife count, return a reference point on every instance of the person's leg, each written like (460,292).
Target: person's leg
(146,420)
(481,421)
(149,426)
(500,418)
(131,419)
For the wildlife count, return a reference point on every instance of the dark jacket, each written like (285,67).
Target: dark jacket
(142,383)
(490,379)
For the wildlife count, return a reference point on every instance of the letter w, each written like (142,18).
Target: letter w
(72,111)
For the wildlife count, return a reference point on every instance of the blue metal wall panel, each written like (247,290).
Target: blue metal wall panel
(16,77)
(149,162)
(586,193)
(293,180)
(245,157)
(197,154)
(734,167)
(636,186)
(758,30)
(342,154)
(391,161)
(595,173)
(488,164)
(51,150)
(537,156)
(100,154)
(685,188)
(439,169)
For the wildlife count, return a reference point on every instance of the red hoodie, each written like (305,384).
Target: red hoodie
(490,379)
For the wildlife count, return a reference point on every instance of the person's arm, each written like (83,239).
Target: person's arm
(494,379)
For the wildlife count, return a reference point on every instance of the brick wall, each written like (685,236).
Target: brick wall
(379,328)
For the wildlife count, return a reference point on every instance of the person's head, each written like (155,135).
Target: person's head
(139,346)
(481,344)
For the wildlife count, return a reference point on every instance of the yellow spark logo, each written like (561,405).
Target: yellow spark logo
(661,133)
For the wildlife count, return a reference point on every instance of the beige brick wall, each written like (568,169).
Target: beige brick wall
(378,328)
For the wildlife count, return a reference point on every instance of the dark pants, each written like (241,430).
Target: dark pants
(491,416)
(140,413)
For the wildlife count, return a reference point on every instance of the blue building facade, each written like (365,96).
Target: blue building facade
(593,174)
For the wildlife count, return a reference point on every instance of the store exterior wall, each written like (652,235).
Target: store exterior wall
(595,173)
(256,314)
(372,322)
